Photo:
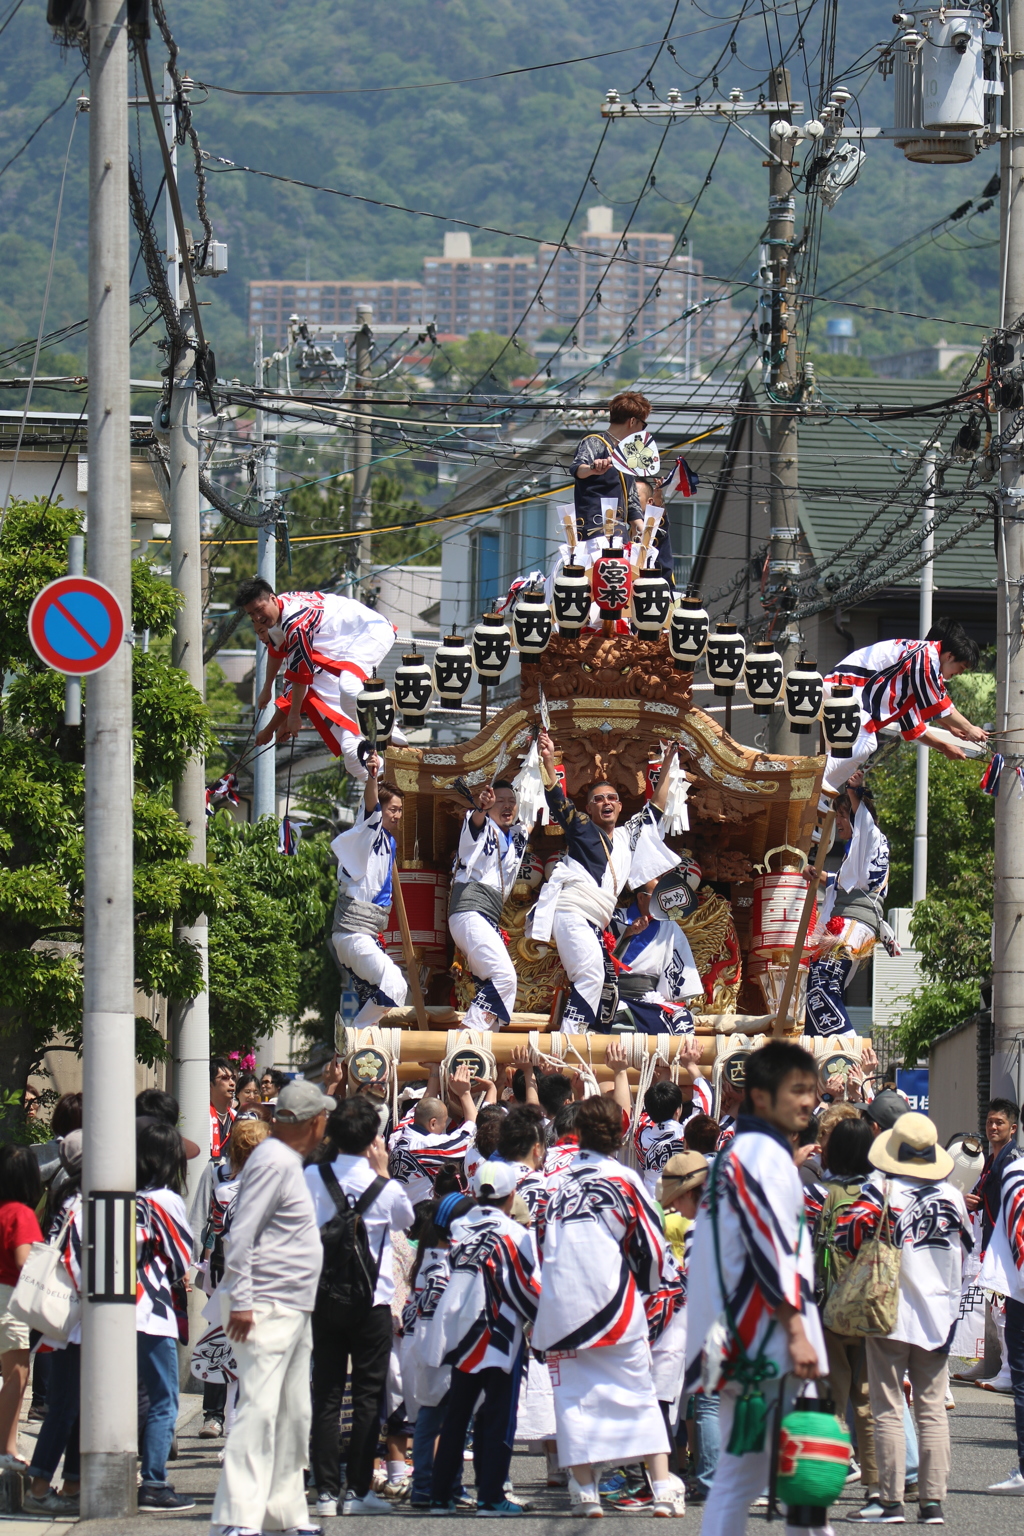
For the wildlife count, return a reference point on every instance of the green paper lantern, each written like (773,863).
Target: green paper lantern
(814,1458)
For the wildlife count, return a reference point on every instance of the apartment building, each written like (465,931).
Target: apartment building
(618,292)
(272,302)
(467,293)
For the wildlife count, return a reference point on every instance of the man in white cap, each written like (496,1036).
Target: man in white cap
(273,1257)
(926,1219)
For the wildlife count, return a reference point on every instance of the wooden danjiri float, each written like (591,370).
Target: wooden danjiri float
(756,821)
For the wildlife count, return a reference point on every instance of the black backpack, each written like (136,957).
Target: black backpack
(349,1276)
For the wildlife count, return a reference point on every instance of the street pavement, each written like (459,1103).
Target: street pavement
(983,1452)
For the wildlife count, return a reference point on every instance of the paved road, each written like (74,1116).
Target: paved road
(983,1451)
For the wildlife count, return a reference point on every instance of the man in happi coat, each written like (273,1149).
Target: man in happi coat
(576,904)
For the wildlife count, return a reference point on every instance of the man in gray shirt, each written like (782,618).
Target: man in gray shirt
(273,1256)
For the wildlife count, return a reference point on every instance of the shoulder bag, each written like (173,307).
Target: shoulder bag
(45,1297)
(865,1302)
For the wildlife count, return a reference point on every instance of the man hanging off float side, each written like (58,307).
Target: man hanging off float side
(329,645)
(903,683)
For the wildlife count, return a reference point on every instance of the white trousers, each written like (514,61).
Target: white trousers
(262,1485)
(839,769)
(349,687)
(582,954)
(489,964)
(379,983)
(739,1480)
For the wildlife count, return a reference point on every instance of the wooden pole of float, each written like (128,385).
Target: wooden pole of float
(805,921)
(433,1045)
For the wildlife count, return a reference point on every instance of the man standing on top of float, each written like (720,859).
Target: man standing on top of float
(597,478)
(577,903)
(491,847)
(331,644)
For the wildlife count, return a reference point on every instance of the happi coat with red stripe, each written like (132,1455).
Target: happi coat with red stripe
(764,1246)
(492,1291)
(603,1254)
(323,637)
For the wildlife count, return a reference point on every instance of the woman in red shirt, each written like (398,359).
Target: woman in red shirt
(20,1192)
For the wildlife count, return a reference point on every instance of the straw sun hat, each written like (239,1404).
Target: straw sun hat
(911,1150)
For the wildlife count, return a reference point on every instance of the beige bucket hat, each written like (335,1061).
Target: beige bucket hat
(910,1149)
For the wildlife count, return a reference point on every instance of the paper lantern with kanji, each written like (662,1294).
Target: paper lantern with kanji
(453,671)
(492,647)
(414,685)
(726,652)
(612,583)
(652,603)
(688,632)
(531,625)
(570,599)
(375,711)
(805,693)
(840,719)
(763,676)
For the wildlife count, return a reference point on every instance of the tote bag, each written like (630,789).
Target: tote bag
(45,1297)
(865,1302)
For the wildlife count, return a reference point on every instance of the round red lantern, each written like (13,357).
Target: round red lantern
(613,583)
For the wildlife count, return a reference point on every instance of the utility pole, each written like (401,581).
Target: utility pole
(189,1020)
(264,768)
(108,1392)
(782,382)
(361,491)
(1008,914)
(920,884)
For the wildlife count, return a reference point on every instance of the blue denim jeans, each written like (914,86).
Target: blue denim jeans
(913,1454)
(158,1368)
(58,1436)
(709,1439)
(425,1432)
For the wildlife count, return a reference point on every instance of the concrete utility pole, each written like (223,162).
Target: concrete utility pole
(190,1021)
(920,880)
(1008,946)
(108,1409)
(264,768)
(361,491)
(783,464)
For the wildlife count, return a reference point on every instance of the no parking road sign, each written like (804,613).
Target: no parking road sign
(76,625)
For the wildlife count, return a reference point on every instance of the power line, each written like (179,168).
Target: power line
(501,74)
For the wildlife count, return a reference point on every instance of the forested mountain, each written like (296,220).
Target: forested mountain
(511,152)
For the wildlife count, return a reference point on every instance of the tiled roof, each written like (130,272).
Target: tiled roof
(848,468)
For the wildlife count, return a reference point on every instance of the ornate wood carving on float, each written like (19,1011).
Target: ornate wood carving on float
(613,699)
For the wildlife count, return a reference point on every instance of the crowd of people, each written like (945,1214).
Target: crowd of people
(636,1283)
(632,1289)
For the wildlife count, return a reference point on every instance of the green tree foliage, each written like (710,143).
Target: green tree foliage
(41,807)
(266,912)
(951,927)
(266,951)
